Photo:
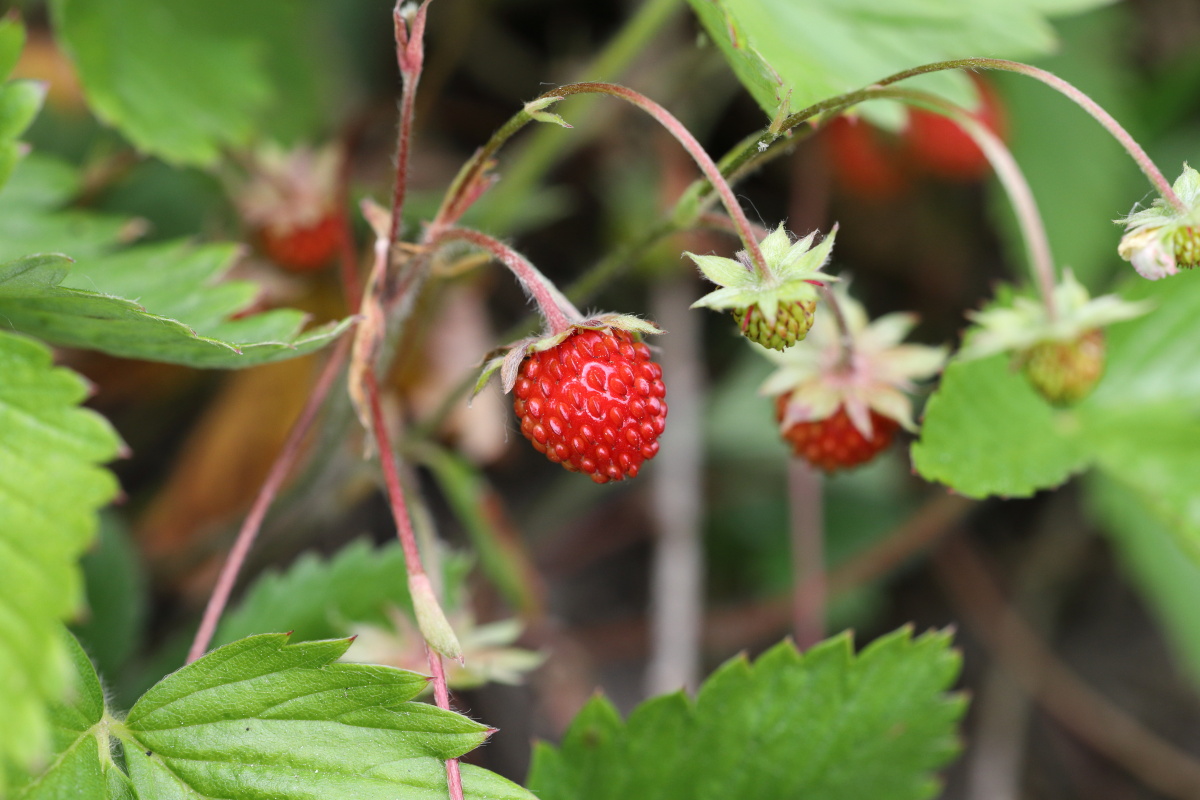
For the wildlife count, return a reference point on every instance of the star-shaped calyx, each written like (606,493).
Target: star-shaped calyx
(865,372)
(773,307)
(1063,357)
(1162,238)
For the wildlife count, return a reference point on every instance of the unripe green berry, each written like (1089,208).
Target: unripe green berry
(1065,372)
(792,323)
(1186,242)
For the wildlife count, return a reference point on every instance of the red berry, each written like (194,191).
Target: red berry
(593,403)
(302,248)
(938,146)
(834,443)
(865,160)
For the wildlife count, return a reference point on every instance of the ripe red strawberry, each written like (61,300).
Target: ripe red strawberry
(1065,372)
(939,146)
(834,443)
(593,403)
(302,248)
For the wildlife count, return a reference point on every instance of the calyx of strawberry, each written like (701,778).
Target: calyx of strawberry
(773,308)
(508,360)
(1160,239)
(289,189)
(1063,356)
(864,369)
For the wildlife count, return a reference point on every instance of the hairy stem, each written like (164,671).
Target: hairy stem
(703,160)
(410,56)
(558,311)
(412,554)
(266,495)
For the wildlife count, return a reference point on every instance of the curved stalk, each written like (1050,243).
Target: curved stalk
(1135,151)
(558,311)
(1033,230)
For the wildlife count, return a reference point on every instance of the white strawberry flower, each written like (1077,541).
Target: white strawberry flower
(817,376)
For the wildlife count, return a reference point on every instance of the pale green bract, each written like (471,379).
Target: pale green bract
(792,268)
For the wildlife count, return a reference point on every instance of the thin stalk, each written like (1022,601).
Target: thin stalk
(547,145)
(558,311)
(266,495)
(1033,230)
(807,526)
(410,56)
(412,554)
(1135,151)
(845,335)
(703,160)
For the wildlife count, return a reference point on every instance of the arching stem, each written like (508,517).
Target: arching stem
(1033,230)
(558,311)
(1148,168)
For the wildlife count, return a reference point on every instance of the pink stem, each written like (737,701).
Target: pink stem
(805,498)
(410,55)
(412,554)
(845,335)
(1148,168)
(441,696)
(1033,230)
(697,152)
(558,311)
(266,495)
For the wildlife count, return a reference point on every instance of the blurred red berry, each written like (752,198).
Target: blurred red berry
(834,443)
(938,146)
(865,160)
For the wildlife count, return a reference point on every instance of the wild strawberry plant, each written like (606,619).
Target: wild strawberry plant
(310,684)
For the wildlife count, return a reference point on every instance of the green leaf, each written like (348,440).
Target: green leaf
(116,597)
(1164,573)
(82,764)
(826,724)
(804,51)
(164,75)
(319,599)
(987,432)
(261,717)
(194,328)
(51,485)
(1156,453)
(12,40)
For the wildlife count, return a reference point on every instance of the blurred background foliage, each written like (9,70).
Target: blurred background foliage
(1100,578)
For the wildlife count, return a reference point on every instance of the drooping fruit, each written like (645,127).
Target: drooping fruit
(593,403)
(834,443)
(792,323)
(1065,372)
